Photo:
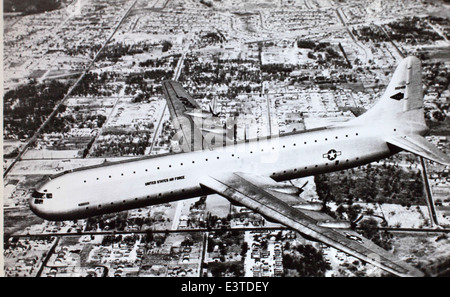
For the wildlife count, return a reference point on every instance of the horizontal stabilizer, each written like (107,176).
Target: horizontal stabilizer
(418,145)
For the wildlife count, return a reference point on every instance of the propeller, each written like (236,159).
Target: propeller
(214,114)
(299,189)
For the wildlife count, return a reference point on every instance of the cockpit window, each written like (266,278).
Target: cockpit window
(36,194)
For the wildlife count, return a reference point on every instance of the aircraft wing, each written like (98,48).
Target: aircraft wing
(180,104)
(243,190)
(418,145)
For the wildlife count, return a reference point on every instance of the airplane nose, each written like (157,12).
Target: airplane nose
(51,208)
(38,207)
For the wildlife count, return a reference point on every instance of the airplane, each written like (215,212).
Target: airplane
(248,172)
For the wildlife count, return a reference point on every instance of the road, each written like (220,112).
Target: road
(100,131)
(366,54)
(438,31)
(402,55)
(204,230)
(204,249)
(47,256)
(176,217)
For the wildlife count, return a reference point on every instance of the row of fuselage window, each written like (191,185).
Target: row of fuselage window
(233,155)
(336,163)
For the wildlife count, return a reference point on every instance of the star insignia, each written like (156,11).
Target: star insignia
(332,154)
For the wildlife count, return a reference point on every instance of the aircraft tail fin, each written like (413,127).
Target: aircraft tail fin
(401,107)
(403,98)
(418,145)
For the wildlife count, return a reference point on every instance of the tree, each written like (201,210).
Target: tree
(166,46)
(310,263)
(369,229)
(187,242)
(244,248)
(439,116)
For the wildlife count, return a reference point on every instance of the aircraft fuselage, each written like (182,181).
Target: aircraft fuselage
(115,187)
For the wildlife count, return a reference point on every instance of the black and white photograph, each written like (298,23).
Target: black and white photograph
(225,144)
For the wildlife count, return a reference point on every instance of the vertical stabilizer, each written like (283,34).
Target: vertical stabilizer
(403,98)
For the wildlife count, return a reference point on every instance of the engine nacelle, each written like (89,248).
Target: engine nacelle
(270,219)
(234,203)
(287,190)
(310,206)
(334,224)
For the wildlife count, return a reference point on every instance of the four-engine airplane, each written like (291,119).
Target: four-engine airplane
(247,172)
